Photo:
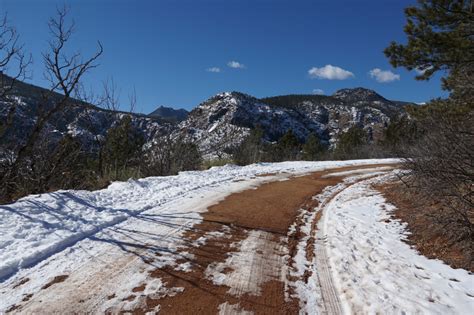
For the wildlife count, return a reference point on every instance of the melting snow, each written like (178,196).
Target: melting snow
(75,232)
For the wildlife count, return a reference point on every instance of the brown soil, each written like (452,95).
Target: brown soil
(272,207)
(27,297)
(428,234)
(21,282)
(57,279)
(139,288)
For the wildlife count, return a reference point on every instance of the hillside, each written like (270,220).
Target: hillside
(221,122)
(216,125)
(81,120)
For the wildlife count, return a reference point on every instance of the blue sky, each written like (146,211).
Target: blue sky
(169,51)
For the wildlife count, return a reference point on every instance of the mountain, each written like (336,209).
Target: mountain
(217,125)
(220,123)
(84,121)
(169,114)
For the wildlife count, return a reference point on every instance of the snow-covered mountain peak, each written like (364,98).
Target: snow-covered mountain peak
(233,98)
(220,123)
(358,94)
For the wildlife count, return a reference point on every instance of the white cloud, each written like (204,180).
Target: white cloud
(383,76)
(318,92)
(330,72)
(235,65)
(214,69)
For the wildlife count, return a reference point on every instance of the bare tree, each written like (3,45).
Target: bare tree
(442,166)
(14,61)
(132,100)
(110,95)
(109,100)
(11,52)
(64,72)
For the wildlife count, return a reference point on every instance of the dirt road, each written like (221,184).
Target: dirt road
(246,265)
(240,259)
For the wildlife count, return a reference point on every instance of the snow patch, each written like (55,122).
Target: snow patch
(232,309)
(258,259)
(104,236)
(375,271)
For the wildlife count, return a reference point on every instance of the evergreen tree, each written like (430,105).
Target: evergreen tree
(349,142)
(286,149)
(439,38)
(185,157)
(399,133)
(122,147)
(251,149)
(312,149)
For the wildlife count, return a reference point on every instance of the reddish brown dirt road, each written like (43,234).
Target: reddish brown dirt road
(243,266)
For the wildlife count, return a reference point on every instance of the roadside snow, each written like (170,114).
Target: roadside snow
(374,271)
(75,232)
(316,292)
(361,171)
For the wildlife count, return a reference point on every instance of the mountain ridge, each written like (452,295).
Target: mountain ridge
(221,122)
(218,124)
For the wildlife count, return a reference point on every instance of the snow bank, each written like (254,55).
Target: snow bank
(38,226)
(316,293)
(375,271)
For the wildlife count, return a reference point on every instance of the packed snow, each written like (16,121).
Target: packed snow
(93,239)
(375,271)
(361,263)
(316,293)
(259,259)
(45,235)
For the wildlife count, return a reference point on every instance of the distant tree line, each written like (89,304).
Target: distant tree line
(352,143)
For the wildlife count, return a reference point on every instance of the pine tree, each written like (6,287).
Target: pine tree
(349,142)
(439,38)
(122,146)
(312,149)
(251,149)
(185,156)
(286,149)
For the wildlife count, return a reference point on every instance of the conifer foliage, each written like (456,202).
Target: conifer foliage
(122,148)
(440,36)
(287,148)
(312,148)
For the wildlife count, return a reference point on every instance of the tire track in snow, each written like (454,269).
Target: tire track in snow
(249,271)
(314,285)
(331,301)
